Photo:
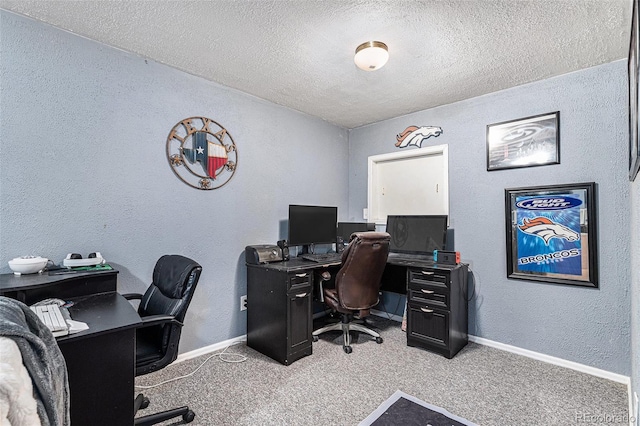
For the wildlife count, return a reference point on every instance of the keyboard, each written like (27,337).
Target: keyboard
(323,257)
(51,316)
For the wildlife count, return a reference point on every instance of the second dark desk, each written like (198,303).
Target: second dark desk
(101,360)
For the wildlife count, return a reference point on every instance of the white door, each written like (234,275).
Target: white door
(414,182)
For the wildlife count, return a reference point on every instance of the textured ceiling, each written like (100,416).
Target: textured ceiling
(299,53)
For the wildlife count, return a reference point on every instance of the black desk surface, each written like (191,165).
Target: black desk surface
(103,313)
(298,263)
(295,264)
(102,308)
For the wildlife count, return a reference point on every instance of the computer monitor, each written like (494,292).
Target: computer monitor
(312,225)
(345,229)
(417,234)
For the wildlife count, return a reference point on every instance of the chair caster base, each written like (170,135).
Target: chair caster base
(379,340)
(347,349)
(315,338)
(188,416)
(152,419)
(141,402)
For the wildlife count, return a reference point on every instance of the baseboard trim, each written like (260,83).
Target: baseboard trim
(211,348)
(626,380)
(553,360)
(619,378)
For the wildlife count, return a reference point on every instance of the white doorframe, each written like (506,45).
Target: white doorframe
(438,159)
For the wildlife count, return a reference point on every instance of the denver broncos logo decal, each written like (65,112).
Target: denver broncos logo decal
(547,229)
(414,135)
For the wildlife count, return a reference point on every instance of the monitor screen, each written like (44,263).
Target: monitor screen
(312,225)
(417,234)
(345,229)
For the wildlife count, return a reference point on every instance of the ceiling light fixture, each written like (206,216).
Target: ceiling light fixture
(371,55)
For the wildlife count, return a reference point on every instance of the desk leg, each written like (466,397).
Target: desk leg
(101,378)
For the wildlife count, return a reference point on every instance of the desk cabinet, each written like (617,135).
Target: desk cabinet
(279,321)
(437,308)
(279,304)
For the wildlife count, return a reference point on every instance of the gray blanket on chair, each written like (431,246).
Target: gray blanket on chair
(42,358)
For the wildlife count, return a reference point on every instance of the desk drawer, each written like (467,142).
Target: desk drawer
(428,325)
(435,278)
(298,282)
(429,295)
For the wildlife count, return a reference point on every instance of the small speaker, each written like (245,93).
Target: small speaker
(284,246)
(263,253)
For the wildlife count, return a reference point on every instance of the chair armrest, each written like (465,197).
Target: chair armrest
(150,320)
(132,296)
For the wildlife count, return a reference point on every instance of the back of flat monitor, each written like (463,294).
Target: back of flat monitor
(345,229)
(417,235)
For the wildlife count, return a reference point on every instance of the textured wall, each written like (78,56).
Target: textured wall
(589,326)
(634,231)
(83,168)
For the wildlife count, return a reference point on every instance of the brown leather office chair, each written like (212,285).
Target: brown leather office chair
(162,310)
(357,284)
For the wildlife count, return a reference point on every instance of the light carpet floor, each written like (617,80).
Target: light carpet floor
(484,385)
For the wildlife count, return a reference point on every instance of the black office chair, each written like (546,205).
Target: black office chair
(162,310)
(357,284)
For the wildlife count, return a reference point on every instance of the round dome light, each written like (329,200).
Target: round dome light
(371,55)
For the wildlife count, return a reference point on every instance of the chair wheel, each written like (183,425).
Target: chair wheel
(379,340)
(315,338)
(145,403)
(347,349)
(188,416)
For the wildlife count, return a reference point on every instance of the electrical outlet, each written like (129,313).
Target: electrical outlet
(243,303)
(365,214)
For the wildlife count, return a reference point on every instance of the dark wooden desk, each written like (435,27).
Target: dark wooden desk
(101,360)
(279,301)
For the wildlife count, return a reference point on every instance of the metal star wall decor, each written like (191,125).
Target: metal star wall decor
(202,153)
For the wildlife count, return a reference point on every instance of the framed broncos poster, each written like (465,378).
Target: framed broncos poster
(552,234)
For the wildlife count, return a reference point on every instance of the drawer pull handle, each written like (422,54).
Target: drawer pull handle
(426,311)
(301,295)
(301,275)
(427,291)
(427,272)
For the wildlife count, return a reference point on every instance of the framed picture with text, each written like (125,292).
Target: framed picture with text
(552,234)
(526,142)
